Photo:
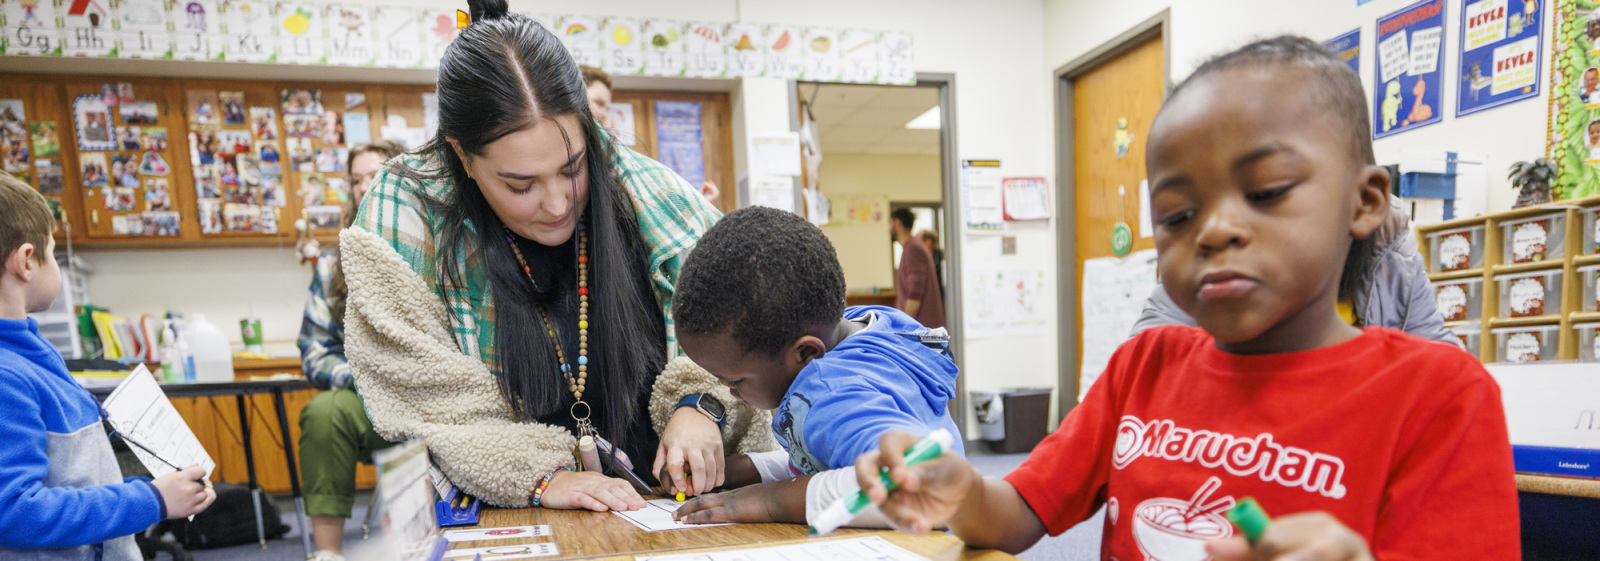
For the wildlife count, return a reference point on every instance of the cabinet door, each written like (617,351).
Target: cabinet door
(692,133)
(30,141)
(118,151)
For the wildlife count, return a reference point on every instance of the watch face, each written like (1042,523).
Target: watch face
(711,406)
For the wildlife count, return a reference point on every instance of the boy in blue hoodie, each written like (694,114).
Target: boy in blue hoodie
(62,495)
(760,305)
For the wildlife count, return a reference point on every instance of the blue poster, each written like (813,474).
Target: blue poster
(1499,54)
(1348,48)
(1406,71)
(678,140)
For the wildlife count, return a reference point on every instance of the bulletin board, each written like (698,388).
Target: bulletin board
(1573,142)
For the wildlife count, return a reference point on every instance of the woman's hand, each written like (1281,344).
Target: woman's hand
(693,438)
(590,490)
(1308,535)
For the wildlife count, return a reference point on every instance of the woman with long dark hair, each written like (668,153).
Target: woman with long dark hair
(510,284)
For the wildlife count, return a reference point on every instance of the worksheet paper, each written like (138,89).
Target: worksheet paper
(479,534)
(871,548)
(657,515)
(140,411)
(504,552)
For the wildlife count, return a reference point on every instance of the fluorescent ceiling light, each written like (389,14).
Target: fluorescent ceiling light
(929,120)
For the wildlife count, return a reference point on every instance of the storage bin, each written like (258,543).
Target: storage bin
(1590,276)
(1531,240)
(1530,294)
(1518,345)
(1469,334)
(1459,299)
(1456,250)
(1591,231)
(1588,341)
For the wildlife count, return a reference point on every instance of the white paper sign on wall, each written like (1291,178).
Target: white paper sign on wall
(143,29)
(746,52)
(247,25)
(624,47)
(784,59)
(350,34)
(581,35)
(663,47)
(399,37)
(703,49)
(197,30)
(821,51)
(299,33)
(858,51)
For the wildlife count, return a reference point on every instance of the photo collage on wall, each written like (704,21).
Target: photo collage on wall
(122,145)
(30,152)
(318,141)
(236,156)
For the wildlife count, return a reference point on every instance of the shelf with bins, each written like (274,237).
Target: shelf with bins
(1519,282)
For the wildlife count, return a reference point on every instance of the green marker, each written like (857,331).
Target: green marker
(845,509)
(1250,519)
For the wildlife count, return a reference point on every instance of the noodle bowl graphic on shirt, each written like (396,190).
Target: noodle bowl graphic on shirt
(1167,529)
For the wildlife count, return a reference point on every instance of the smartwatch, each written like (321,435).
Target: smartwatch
(705,403)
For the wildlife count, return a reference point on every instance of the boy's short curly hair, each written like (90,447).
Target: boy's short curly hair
(762,275)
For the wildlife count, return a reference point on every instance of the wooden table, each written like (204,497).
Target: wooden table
(603,535)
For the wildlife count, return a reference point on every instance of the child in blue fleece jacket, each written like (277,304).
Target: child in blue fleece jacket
(62,495)
(760,306)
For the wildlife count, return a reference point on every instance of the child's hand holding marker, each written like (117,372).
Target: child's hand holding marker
(1307,535)
(926,494)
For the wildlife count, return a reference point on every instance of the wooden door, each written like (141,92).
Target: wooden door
(651,109)
(1129,86)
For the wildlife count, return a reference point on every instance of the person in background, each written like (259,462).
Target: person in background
(598,84)
(916,287)
(930,239)
(335,433)
(62,495)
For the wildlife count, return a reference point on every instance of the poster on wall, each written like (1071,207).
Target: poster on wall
(438,30)
(663,47)
(1348,48)
(1500,48)
(399,37)
(248,26)
(623,47)
(784,59)
(581,35)
(1005,300)
(197,30)
(746,53)
(1573,142)
(1407,73)
(858,51)
(894,58)
(1114,293)
(679,137)
(142,29)
(87,29)
(703,50)
(30,28)
(300,33)
(821,52)
(351,35)
(980,186)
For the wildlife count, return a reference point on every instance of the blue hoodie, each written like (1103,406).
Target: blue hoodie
(62,495)
(893,375)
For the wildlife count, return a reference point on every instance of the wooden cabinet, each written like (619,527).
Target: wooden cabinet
(215,421)
(33,139)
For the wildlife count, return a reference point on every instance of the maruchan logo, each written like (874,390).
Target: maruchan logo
(1243,456)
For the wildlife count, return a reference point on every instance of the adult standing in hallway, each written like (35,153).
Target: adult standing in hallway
(916,286)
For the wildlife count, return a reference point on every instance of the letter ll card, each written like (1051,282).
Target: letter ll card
(497,533)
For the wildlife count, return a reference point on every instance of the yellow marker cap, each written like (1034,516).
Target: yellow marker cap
(680,496)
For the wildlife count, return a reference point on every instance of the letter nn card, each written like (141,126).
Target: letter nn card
(497,533)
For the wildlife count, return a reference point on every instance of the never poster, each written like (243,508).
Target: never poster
(1348,48)
(197,30)
(30,28)
(142,29)
(87,29)
(679,139)
(1407,72)
(299,33)
(247,25)
(351,35)
(1500,48)
(1573,142)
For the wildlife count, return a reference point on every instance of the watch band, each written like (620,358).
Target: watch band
(693,400)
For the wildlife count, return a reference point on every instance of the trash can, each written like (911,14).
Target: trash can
(1012,420)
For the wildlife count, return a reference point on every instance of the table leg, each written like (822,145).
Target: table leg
(294,470)
(250,467)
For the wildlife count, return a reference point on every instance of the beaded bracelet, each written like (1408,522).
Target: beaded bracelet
(538,494)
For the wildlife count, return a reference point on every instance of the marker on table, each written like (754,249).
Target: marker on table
(845,509)
(1250,518)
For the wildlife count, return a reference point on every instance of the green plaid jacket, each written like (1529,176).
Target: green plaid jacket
(672,216)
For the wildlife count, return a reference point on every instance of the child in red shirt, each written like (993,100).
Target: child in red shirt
(1364,443)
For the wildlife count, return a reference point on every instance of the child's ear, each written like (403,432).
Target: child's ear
(1372,202)
(20,262)
(804,350)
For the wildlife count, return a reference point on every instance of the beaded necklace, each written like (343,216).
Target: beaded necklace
(575,385)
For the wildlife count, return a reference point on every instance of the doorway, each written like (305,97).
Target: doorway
(1105,101)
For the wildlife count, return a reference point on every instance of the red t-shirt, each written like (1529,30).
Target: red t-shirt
(1403,440)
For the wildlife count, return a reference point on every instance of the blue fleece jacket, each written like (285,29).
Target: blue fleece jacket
(60,486)
(894,374)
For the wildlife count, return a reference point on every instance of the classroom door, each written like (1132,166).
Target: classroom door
(1125,88)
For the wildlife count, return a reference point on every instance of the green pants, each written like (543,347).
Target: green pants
(335,436)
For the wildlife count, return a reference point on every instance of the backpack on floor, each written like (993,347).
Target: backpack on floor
(229,521)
